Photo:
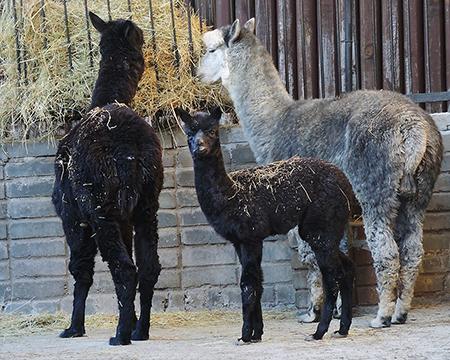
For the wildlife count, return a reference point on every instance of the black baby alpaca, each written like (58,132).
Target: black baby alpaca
(249,205)
(108,179)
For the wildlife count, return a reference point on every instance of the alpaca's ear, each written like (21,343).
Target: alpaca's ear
(234,32)
(186,118)
(97,22)
(129,29)
(216,113)
(250,25)
(133,34)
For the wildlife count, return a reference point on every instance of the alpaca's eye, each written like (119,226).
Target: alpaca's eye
(212,50)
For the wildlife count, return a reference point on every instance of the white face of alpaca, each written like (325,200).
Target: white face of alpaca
(213,65)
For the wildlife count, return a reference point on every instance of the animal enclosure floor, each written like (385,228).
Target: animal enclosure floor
(425,336)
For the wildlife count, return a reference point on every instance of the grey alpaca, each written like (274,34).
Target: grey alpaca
(389,148)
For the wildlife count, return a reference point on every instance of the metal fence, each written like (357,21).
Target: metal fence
(325,47)
(21,47)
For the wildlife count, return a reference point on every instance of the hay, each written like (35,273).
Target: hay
(54,95)
(19,325)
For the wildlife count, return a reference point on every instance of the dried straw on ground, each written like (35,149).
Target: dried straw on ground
(17,324)
(52,94)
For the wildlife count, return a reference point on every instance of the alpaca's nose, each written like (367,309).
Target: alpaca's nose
(201,146)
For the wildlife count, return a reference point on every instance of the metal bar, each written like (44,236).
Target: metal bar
(200,15)
(16,35)
(153,40)
(348,9)
(129,7)
(43,25)
(69,44)
(430,97)
(174,38)
(24,49)
(88,30)
(191,43)
(108,4)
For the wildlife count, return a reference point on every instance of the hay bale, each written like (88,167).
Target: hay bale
(53,95)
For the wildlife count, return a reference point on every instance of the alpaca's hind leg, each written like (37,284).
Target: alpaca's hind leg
(408,232)
(251,286)
(257,319)
(346,289)
(81,266)
(123,271)
(343,247)
(314,279)
(147,261)
(126,229)
(386,263)
(331,269)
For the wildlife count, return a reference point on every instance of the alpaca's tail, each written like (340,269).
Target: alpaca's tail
(127,199)
(131,179)
(414,133)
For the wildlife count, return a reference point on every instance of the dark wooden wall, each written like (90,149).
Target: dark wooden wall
(401,45)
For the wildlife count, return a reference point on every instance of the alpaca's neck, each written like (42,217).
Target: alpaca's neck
(118,78)
(259,98)
(212,183)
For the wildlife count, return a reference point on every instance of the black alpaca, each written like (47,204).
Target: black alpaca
(249,205)
(108,178)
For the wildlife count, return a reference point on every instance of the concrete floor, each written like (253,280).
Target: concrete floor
(425,336)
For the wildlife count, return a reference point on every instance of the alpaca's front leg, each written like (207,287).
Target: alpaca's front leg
(331,269)
(251,291)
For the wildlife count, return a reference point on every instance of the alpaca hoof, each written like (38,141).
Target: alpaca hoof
(71,333)
(313,337)
(338,335)
(137,335)
(115,341)
(400,319)
(310,316)
(256,338)
(242,341)
(382,322)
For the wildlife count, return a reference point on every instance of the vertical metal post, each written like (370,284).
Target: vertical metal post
(153,39)
(200,15)
(88,30)
(24,50)
(108,4)
(191,43)
(69,44)
(16,35)
(348,10)
(129,7)
(174,38)
(44,24)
